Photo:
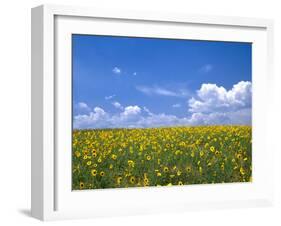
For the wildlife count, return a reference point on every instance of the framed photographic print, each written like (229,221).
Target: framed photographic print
(137,112)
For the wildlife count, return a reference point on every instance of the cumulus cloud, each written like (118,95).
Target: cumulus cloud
(238,117)
(116,70)
(216,105)
(131,111)
(81,108)
(83,105)
(135,73)
(109,97)
(130,117)
(117,105)
(97,118)
(161,91)
(213,98)
(212,105)
(147,111)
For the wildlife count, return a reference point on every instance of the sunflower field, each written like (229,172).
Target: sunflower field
(120,158)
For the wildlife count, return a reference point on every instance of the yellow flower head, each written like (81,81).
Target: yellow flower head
(146,181)
(239,156)
(131,163)
(94,172)
(242,171)
(82,185)
(119,179)
(77,154)
(188,169)
(132,179)
(114,157)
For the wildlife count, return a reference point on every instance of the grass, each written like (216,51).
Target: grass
(114,158)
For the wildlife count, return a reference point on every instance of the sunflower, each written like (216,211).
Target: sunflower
(119,179)
(77,154)
(94,172)
(242,171)
(166,169)
(82,185)
(131,163)
(188,169)
(239,156)
(180,183)
(132,179)
(94,153)
(146,181)
(114,157)
(102,173)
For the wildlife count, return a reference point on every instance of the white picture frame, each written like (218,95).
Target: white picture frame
(52,197)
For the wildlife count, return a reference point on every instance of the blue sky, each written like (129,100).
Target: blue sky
(146,82)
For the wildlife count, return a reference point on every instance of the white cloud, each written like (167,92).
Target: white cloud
(239,117)
(95,119)
(206,68)
(211,105)
(116,70)
(156,90)
(117,105)
(147,111)
(130,117)
(216,105)
(135,73)
(83,105)
(212,98)
(131,110)
(109,97)
(81,108)
(176,105)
